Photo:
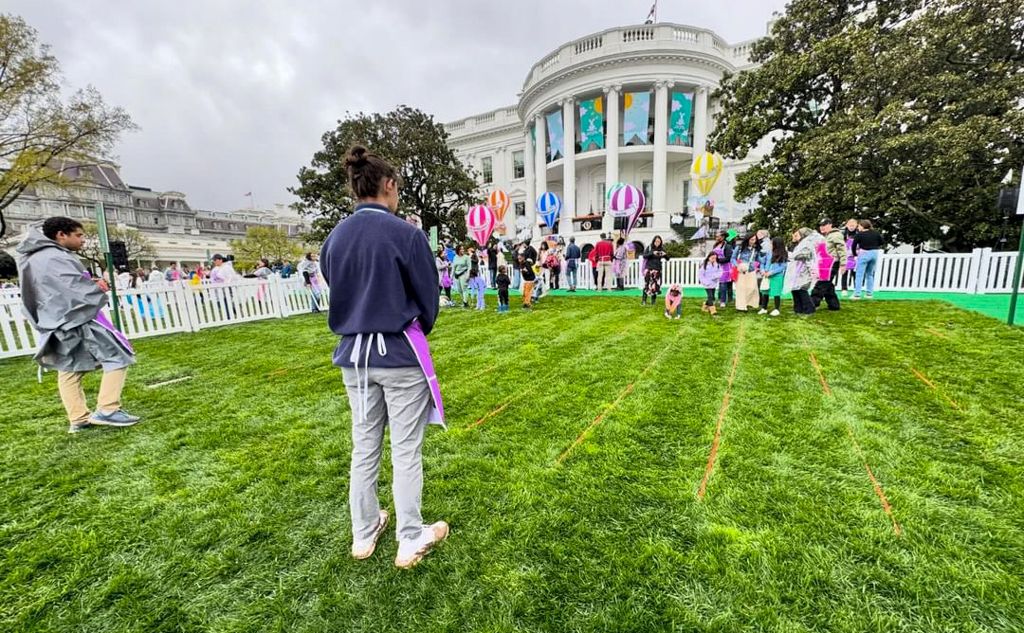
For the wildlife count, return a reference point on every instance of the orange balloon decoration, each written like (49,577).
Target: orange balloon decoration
(498,201)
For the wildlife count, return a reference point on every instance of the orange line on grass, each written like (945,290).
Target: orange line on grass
(726,399)
(886,506)
(935,332)
(821,375)
(491,414)
(600,417)
(925,380)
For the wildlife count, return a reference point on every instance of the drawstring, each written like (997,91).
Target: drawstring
(363,381)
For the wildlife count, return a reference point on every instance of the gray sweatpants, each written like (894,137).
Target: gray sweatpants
(400,399)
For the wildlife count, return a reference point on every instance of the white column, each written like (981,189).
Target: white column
(700,121)
(611,152)
(659,205)
(529,162)
(568,167)
(541,173)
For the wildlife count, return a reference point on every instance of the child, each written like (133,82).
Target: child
(477,286)
(710,276)
(774,276)
(674,302)
(502,282)
(538,284)
(529,277)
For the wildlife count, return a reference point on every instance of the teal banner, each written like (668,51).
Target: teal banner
(591,124)
(635,115)
(679,120)
(556,134)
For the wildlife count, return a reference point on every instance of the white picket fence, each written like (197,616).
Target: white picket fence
(181,307)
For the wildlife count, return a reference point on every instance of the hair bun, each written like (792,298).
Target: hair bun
(356,156)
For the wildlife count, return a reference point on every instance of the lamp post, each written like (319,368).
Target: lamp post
(1020,253)
(101,230)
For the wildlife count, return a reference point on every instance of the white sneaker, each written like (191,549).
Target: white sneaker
(364,550)
(855,298)
(870,296)
(667,315)
(774,313)
(845,293)
(762,311)
(412,552)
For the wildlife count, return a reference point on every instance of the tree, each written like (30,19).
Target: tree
(904,112)
(263,241)
(37,126)
(8,266)
(136,244)
(436,186)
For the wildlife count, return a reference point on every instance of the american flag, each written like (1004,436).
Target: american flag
(653,14)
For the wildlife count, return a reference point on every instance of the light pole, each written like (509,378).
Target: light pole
(1020,253)
(101,230)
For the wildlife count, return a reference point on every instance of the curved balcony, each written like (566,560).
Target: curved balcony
(623,42)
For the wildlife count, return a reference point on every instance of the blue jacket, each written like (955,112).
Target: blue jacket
(382,275)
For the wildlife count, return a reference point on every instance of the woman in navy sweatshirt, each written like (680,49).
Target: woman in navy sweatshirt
(383,301)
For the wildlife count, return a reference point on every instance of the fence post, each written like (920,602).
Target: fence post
(277,292)
(983,282)
(187,297)
(974,272)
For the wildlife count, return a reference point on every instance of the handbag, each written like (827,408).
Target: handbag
(766,284)
(734,273)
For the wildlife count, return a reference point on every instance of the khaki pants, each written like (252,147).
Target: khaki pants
(527,293)
(604,275)
(73,396)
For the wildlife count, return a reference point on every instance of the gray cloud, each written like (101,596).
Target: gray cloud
(233,96)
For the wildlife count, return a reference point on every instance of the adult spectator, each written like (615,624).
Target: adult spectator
(384,301)
(223,271)
(805,274)
(603,253)
(619,263)
(287,269)
(155,276)
(492,262)
(172,274)
(835,248)
(461,266)
(867,245)
(654,255)
(63,303)
(572,263)
(263,270)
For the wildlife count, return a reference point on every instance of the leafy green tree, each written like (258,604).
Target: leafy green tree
(436,186)
(136,244)
(902,111)
(37,125)
(8,266)
(263,241)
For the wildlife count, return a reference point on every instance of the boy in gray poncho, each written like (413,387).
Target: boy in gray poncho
(63,303)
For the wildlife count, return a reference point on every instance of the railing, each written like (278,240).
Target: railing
(589,44)
(178,307)
(639,34)
(181,307)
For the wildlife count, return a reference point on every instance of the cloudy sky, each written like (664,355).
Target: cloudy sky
(232,95)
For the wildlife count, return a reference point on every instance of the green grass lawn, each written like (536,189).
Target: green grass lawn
(580,437)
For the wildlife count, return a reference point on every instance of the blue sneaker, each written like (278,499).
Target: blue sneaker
(114,418)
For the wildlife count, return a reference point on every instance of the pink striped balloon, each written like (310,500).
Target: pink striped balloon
(625,201)
(635,216)
(480,223)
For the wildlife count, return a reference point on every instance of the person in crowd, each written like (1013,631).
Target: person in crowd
(773,275)
(603,253)
(541,260)
(156,277)
(172,275)
(572,263)
(492,262)
(444,277)
(850,270)
(673,302)
(287,269)
(124,279)
(460,274)
(806,269)
(835,249)
(553,264)
(64,305)
(502,283)
(198,276)
(309,269)
(710,277)
(654,256)
(745,261)
(529,277)
(450,252)
(867,245)
(514,267)
(383,303)
(723,247)
(619,264)
(263,270)
(827,253)
(223,271)
(478,287)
